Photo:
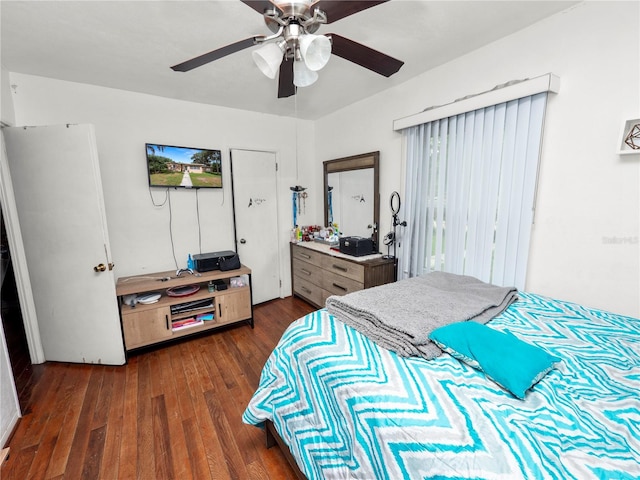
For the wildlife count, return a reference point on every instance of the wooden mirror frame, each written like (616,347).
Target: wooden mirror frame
(356,162)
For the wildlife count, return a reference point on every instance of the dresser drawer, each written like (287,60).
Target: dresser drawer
(345,268)
(338,284)
(307,271)
(307,255)
(309,291)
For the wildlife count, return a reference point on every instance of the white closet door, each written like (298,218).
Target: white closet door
(58,193)
(256,218)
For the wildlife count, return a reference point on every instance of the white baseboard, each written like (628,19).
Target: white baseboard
(4,436)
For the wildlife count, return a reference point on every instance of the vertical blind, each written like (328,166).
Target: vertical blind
(469,188)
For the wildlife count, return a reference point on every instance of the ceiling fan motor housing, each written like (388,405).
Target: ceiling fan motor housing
(299,13)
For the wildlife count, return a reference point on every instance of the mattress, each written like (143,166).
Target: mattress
(350,409)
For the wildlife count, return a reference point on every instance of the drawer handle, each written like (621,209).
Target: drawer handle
(166,317)
(304,255)
(306,272)
(338,267)
(340,287)
(220,311)
(305,290)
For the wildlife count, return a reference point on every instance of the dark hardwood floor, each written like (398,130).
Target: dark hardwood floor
(171,413)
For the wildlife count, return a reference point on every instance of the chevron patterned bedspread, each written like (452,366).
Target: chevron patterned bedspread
(351,410)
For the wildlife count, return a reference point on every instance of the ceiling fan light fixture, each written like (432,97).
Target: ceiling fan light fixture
(268,58)
(302,76)
(315,50)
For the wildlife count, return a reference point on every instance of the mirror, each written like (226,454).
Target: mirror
(351,196)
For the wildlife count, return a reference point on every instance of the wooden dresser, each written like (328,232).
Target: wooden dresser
(318,272)
(149,324)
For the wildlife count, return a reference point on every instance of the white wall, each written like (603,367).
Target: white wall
(124,121)
(7,115)
(587,193)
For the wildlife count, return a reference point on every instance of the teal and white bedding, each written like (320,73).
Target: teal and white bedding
(350,409)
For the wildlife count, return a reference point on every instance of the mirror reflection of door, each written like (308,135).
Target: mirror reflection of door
(352,201)
(256,219)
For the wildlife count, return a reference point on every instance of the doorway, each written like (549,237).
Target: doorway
(66,244)
(255,207)
(24,372)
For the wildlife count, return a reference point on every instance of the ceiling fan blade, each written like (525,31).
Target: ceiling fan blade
(364,56)
(216,54)
(260,6)
(286,88)
(337,9)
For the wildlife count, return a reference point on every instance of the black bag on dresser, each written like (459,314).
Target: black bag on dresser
(229,263)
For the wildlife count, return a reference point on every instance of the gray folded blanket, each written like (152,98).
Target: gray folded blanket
(400,316)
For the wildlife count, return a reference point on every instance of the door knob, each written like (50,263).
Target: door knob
(100,267)
(243,241)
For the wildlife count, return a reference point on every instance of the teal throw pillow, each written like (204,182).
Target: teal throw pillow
(510,362)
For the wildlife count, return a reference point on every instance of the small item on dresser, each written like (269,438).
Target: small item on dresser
(229,263)
(183,291)
(130,300)
(220,285)
(148,298)
(241,281)
(356,246)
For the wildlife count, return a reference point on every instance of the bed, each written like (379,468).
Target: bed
(347,408)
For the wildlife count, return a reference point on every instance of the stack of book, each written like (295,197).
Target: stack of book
(185,323)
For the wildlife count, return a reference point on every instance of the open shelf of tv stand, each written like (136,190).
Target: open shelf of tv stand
(144,325)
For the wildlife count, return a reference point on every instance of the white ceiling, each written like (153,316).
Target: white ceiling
(131,45)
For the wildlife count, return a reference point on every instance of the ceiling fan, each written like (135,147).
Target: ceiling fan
(296,53)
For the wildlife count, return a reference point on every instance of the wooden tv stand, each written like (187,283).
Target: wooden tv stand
(149,324)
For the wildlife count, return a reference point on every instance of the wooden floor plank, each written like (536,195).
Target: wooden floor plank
(95,450)
(210,438)
(181,463)
(129,449)
(232,457)
(46,393)
(78,381)
(19,463)
(197,452)
(162,440)
(79,446)
(110,466)
(146,453)
(172,412)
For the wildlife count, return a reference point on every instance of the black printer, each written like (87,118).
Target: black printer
(205,262)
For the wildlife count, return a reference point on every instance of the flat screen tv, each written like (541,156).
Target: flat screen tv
(183,167)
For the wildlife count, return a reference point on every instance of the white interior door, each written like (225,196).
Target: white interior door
(58,194)
(256,219)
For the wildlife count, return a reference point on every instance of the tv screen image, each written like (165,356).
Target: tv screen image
(187,167)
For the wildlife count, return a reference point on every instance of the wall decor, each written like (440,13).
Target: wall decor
(630,137)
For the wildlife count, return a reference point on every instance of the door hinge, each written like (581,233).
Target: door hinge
(280,283)
(276,167)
